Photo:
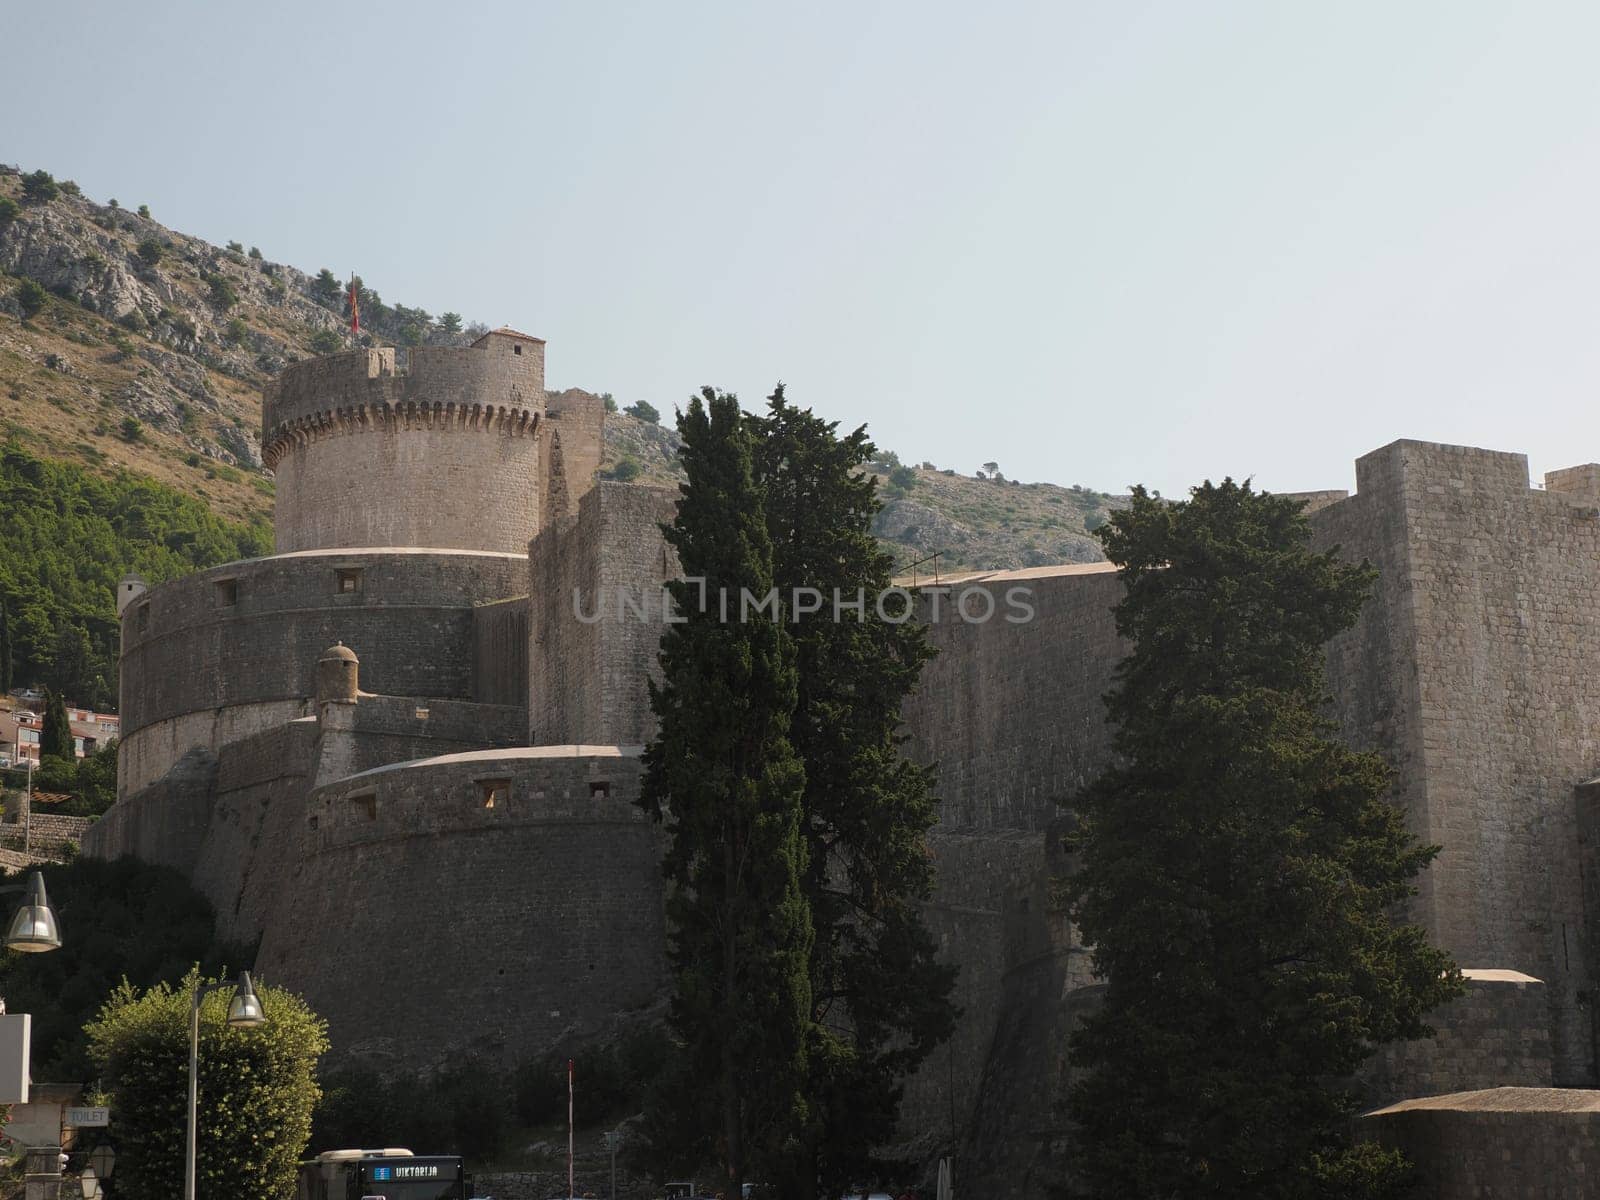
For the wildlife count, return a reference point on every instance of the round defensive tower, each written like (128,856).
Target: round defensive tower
(435,447)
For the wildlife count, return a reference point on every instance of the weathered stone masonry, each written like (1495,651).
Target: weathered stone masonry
(401,717)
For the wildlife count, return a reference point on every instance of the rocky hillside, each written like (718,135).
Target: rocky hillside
(127,345)
(982,522)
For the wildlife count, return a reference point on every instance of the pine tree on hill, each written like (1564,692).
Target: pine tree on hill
(55,738)
(1238,868)
(723,778)
(880,999)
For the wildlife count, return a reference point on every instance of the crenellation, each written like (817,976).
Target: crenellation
(415,707)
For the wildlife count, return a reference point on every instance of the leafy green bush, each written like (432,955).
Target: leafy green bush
(39,187)
(31,298)
(9,209)
(236,247)
(258,1088)
(131,429)
(122,919)
(236,332)
(255,252)
(222,293)
(609,401)
(71,188)
(644,411)
(626,470)
(144,211)
(326,341)
(150,251)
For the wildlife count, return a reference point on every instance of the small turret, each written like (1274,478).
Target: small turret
(129,589)
(338,675)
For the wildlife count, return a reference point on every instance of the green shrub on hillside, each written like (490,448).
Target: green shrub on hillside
(326,341)
(39,187)
(31,298)
(150,251)
(70,536)
(9,209)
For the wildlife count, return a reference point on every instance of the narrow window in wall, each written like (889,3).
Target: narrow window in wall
(367,804)
(493,793)
(599,789)
(141,619)
(347,581)
(227,593)
(516,349)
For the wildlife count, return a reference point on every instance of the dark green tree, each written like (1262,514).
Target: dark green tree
(150,251)
(1237,872)
(6,659)
(55,736)
(880,1000)
(31,298)
(644,411)
(723,778)
(123,920)
(325,288)
(39,187)
(9,211)
(450,323)
(258,1088)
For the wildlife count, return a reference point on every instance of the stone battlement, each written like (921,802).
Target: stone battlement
(455,447)
(383,390)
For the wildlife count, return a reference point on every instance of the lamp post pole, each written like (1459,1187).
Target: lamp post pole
(244,1012)
(27,814)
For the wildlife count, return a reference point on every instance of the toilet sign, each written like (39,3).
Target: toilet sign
(88,1118)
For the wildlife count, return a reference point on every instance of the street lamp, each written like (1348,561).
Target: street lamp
(33,930)
(244,1012)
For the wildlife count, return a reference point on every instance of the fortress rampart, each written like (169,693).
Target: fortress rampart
(493,954)
(226,652)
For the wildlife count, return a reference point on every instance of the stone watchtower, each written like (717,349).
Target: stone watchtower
(435,447)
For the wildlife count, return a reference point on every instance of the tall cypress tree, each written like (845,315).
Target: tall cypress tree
(1238,868)
(724,779)
(55,737)
(880,999)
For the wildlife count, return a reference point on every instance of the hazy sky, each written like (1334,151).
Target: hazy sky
(1098,243)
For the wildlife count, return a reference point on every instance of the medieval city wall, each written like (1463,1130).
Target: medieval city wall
(231,651)
(1011,714)
(1498,1142)
(591,651)
(1473,671)
(415,482)
(501,930)
(500,652)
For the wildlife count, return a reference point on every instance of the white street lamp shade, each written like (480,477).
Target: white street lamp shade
(244,1010)
(33,929)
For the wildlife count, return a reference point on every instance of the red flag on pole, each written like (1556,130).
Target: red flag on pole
(569,1127)
(355,309)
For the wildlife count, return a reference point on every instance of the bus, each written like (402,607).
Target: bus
(391,1174)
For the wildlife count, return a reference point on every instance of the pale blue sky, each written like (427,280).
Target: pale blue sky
(1099,243)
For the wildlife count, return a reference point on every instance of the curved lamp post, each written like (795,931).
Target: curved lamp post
(33,929)
(244,1012)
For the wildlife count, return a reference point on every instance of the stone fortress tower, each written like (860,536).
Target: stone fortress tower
(395,754)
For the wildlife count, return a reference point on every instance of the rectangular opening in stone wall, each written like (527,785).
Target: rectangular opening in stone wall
(367,804)
(347,580)
(422,713)
(516,349)
(141,618)
(493,793)
(312,822)
(227,593)
(599,789)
